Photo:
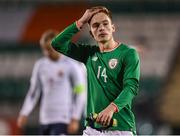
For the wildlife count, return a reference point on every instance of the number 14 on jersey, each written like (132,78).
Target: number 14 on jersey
(102,73)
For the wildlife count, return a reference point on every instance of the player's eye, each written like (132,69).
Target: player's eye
(95,25)
(105,23)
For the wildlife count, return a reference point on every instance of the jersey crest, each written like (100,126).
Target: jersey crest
(113,63)
(60,73)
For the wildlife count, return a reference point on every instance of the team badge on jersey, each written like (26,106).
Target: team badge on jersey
(60,73)
(113,63)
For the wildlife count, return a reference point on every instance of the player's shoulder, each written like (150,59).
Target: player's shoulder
(40,61)
(128,48)
(130,52)
(74,63)
(69,60)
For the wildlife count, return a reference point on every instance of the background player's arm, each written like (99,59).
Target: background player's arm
(31,97)
(79,82)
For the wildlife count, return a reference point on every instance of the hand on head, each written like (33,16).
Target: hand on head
(89,13)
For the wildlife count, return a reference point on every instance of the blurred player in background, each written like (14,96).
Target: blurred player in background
(62,83)
(113,71)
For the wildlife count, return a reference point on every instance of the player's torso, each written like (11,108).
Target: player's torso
(106,66)
(54,76)
(56,91)
(55,83)
(105,82)
(105,72)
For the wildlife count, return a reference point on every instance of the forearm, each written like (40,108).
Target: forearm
(29,103)
(130,80)
(126,96)
(61,42)
(79,105)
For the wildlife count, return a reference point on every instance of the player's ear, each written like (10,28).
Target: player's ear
(113,27)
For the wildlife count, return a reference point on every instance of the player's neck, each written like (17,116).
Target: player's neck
(108,46)
(55,57)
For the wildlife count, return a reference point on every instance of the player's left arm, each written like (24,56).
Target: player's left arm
(130,79)
(130,87)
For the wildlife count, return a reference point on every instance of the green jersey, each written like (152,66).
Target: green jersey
(112,76)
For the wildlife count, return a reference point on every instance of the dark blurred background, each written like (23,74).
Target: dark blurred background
(150,26)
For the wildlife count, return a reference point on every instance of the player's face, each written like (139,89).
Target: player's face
(48,51)
(101,27)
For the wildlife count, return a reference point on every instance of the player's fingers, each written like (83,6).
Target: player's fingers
(108,121)
(98,119)
(105,121)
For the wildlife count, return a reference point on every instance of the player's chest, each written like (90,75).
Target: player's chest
(106,64)
(54,72)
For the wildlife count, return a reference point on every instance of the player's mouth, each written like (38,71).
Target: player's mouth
(102,34)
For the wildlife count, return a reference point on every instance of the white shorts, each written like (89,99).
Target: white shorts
(90,131)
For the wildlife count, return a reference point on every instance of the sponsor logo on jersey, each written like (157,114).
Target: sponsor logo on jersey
(94,58)
(113,63)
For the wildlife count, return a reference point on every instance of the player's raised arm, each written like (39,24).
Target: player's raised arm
(63,41)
